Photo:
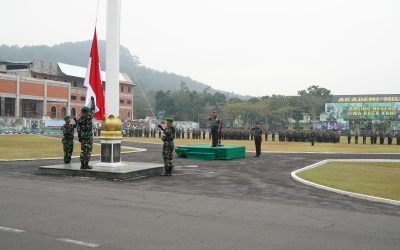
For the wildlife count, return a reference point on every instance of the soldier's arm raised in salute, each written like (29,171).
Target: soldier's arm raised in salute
(92,107)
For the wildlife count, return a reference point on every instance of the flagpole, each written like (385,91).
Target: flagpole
(112,57)
(111,126)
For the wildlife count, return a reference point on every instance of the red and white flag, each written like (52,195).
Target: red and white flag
(93,81)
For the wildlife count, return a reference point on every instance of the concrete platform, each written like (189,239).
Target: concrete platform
(125,170)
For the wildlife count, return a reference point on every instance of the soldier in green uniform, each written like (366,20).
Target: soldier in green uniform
(68,138)
(215,128)
(398,138)
(364,136)
(348,138)
(257,131)
(168,146)
(85,134)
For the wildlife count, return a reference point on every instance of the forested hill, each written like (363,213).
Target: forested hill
(77,53)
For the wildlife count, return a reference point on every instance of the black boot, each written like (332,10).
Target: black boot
(169,171)
(87,165)
(82,165)
(165,173)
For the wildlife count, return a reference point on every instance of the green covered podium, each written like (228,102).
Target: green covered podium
(206,152)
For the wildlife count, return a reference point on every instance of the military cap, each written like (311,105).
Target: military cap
(66,117)
(169,120)
(85,109)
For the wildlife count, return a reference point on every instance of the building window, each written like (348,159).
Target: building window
(73,112)
(34,76)
(64,111)
(53,112)
(122,89)
(121,101)
(129,102)
(45,77)
(75,84)
(73,97)
(7,106)
(129,115)
(83,98)
(129,89)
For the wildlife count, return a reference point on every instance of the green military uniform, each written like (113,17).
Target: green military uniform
(168,147)
(68,139)
(312,137)
(215,127)
(257,139)
(85,134)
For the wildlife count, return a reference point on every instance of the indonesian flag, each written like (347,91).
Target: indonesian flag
(93,81)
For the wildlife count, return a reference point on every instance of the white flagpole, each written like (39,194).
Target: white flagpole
(112,57)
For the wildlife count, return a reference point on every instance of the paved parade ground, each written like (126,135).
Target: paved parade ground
(249,203)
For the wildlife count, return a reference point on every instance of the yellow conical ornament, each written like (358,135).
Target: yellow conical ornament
(111,128)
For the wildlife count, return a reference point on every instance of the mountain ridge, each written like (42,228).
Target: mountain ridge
(77,53)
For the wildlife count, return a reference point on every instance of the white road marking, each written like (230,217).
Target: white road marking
(13,230)
(82,243)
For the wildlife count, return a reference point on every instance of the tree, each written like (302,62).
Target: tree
(313,100)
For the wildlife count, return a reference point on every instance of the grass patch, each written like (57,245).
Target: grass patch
(36,146)
(381,179)
(277,146)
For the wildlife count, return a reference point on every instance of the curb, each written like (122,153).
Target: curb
(73,157)
(137,150)
(351,194)
(333,153)
(286,152)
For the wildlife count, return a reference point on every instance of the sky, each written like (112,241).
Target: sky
(250,47)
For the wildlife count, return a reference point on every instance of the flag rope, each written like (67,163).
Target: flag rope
(145,98)
(97,12)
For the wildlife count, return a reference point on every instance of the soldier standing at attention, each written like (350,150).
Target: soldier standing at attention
(257,138)
(390,138)
(68,138)
(398,138)
(168,146)
(381,138)
(364,136)
(85,134)
(348,137)
(356,138)
(312,137)
(215,127)
(372,137)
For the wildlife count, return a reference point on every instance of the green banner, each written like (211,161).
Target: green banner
(363,111)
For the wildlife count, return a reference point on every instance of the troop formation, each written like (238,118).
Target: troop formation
(180,133)
(373,137)
(321,136)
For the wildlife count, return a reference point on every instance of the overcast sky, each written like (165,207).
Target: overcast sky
(255,47)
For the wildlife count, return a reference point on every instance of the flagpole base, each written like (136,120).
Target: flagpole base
(111,141)
(111,152)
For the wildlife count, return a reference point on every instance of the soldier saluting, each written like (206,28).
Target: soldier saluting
(215,127)
(85,134)
(168,146)
(68,138)
(257,138)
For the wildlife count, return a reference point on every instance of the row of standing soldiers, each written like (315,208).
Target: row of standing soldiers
(320,136)
(282,135)
(141,132)
(373,137)
(180,133)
